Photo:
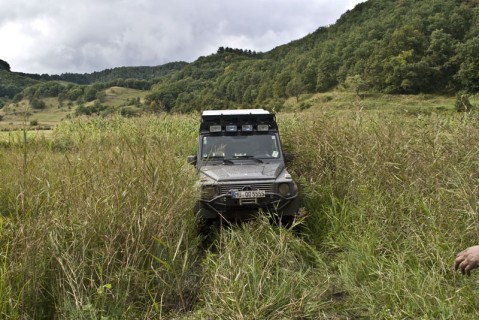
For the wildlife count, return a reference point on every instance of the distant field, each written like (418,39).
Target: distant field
(18,135)
(17,116)
(14,114)
(21,115)
(116,96)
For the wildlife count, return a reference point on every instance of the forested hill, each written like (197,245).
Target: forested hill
(143,73)
(392,46)
(12,83)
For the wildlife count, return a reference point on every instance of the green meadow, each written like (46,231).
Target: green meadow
(96,218)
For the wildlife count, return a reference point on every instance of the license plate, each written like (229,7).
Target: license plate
(248,194)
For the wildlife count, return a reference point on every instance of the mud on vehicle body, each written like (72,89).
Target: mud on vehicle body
(241,166)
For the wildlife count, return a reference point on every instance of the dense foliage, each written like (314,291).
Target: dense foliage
(108,75)
(80,93)
(4,65)
(12,83)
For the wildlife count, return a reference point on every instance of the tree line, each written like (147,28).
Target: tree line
(13,83)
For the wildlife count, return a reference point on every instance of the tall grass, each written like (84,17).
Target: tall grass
(391,200)
(262,272)
(96,222)
(105,201)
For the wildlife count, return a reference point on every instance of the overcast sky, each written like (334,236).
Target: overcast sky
(58,36)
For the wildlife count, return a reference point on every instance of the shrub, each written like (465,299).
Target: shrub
(304,105)
(130,111)
(462,103)
(37,103)
(97,108)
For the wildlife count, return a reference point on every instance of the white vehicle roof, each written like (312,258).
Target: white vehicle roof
(234,112)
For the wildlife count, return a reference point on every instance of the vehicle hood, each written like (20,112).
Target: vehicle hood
(258,171)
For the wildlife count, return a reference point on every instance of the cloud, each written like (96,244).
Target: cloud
(91,35)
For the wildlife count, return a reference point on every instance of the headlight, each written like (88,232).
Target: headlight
(283,189)
(208,192)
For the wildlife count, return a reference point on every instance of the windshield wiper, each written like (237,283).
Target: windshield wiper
(249,157)
(228,161)
(225,161)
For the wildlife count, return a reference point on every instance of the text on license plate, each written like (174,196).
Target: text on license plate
(248,194)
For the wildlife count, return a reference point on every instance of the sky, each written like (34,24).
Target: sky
(82,36)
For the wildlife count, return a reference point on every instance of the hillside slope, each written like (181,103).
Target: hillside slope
(11,83)
(405,47)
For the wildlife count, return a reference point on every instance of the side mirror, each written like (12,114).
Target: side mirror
(288,157)
(191,160)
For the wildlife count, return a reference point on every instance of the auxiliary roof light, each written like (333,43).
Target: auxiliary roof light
(247,127)
(263,127)
(216,128)
(231,128)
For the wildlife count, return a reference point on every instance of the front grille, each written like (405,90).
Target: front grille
(226,188)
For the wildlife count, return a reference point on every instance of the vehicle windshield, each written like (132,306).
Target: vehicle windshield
(264,146)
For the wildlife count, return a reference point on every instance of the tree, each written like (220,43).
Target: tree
(468,74)
(356,83)
(295,87)
(74,93)
(309,76)
(249,95)
(89,94)
(37,104)
(280,83)
(326,78)
(4,65)
(440,60)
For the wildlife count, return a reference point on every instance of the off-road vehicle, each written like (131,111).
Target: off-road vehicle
(241,166)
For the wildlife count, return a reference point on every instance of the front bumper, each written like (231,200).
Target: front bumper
(225,206)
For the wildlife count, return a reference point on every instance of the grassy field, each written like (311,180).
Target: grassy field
(17,116)
(96,221)
(116,96)
(20,115)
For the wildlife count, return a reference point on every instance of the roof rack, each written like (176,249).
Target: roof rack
(234,112)
(239,118)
